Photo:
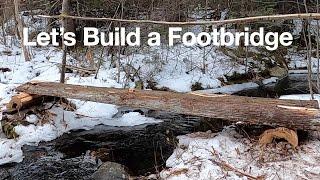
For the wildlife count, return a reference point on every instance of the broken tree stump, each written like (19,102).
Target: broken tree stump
(21,100)
(292,114)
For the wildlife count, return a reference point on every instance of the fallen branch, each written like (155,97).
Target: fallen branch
(80,69)
(220,22)
(224,165)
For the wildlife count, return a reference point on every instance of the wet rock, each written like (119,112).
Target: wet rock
(261,91)
(56,168)
(42,163)
(111,171)
(4,174)
(278,72)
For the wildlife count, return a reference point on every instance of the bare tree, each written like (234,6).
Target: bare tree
(118,63)
(65,11)
(20,30)
(317,51)
(309,51)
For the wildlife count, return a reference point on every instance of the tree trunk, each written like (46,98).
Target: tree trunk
(68,24)
(20,30)
(263,111)
(309,52)
(67,27)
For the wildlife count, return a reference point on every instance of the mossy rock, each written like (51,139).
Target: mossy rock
(278,72)
(239,78)
(139,85)
(196,86)
(8,129)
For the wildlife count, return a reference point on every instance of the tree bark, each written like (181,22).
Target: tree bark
(67,27)
(20,30)
(68,24)
(263,111)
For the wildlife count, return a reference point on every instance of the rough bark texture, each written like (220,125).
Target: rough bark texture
(20,29)
(66,26)
(263,111)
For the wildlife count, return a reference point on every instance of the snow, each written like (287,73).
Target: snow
(179,67)
(270,80)
(32,119)
(299,61)
(230,89)
(32,134)
(183,83)
(298,26)
(10,151)
(133,119)
(95,110)
(302,97)
(43,67)
(203,155)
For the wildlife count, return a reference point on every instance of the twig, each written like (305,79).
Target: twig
(228,166)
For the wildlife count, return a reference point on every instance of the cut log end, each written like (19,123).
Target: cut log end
(21,101)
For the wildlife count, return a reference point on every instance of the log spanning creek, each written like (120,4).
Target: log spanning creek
(137,151)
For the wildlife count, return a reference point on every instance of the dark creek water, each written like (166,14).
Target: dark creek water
(292,84)
(142,149)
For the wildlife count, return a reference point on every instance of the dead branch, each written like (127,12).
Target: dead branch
(220,22)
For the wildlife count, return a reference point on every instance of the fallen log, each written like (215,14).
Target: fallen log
(21,100)
(80,69)
(292,114)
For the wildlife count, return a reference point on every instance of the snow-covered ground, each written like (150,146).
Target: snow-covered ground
(230,155)
(167,67)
